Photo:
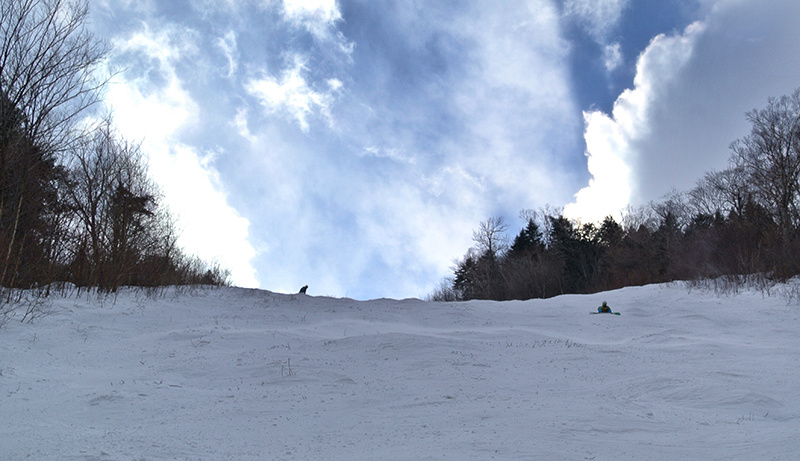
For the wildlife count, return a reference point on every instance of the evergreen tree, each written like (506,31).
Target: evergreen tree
(529,242)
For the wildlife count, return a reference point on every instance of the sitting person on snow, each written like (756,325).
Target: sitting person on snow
(604,309)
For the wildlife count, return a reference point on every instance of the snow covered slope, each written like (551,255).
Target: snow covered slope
(247,374)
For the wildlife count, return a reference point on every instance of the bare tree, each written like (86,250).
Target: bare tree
(705,198)
(771,156)
(479,274)
(73,206)
(726,191)
(115,206)
(48,60)
(635,218)
(491,237)
(672,210)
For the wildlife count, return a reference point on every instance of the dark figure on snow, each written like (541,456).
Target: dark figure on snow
(604,309)
(303,290)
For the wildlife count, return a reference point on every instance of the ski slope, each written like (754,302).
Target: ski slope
(212,374)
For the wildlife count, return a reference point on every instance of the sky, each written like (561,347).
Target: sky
(354,145)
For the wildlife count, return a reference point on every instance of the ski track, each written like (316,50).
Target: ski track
(247,374)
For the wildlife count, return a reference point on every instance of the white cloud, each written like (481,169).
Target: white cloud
(395,154)
(227,45)
(598,17)
(156,114)
(164,47)
(515,103)
(335,84)
(611,140)
(688,103)
(291,93)
(738,62)
(483,135)
(608,152)
(324,12)
(240,123)
(319,18)
(210,228)
(612,56)
(465,112)
(138,6)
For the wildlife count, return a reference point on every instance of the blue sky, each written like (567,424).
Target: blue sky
(354,145)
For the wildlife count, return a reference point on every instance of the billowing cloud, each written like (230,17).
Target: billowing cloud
(610,140)
(687,105)
(356,144)
(515,102)
(358,153)
(738,62)
(292,94)
(429,133)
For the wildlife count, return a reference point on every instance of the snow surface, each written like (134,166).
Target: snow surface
(246,374)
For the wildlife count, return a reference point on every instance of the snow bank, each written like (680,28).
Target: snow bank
(246,374)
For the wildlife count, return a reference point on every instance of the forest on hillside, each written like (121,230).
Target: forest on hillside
(76,202)
(740,221)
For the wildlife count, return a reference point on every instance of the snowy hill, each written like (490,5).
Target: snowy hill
(247,374)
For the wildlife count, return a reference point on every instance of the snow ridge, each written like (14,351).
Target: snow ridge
(235,373)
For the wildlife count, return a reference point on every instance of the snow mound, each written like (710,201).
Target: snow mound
(236,373)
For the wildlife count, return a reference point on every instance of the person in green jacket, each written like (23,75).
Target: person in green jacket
(604,309)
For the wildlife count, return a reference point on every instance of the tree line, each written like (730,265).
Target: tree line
(742,220)
(76,202)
